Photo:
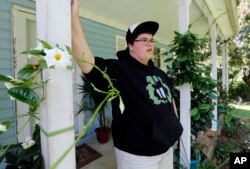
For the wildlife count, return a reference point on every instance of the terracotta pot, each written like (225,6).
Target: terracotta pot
(102,134)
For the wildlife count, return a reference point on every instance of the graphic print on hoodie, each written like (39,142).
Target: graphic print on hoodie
(158,91)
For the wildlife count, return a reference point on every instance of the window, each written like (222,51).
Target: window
(158,58)
(120,43)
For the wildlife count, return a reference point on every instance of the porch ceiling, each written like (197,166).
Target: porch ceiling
(122,13)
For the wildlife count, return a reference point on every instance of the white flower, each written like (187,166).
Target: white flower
(58,58)
(9,85)
(121,105)
(28,142)
(3,127)
(193,138)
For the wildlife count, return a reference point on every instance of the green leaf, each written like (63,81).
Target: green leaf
(168,59)
(194,111)
(27,83)
(27,72)
(36,134)
(204,107)
(29,153)
(45,44)
(6,123)
(43,64)
(203,120)
(4,78)
(70,67)
(228,119)
(183,59)
(34,52)
(188,67)
(38,163)
(13,154)
(197,117)
(25,95)
(69,50)
(17,81)
(2,154)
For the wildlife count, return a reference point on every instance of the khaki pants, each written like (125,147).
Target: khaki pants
(126,160)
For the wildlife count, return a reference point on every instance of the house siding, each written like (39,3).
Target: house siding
(101,38)
(7,106)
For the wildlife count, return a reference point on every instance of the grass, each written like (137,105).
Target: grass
(241,110)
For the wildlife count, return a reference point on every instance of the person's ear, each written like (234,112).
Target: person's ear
(130,46)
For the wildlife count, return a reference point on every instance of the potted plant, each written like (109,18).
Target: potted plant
(195,158)
(24,155)
(91,98)
(196,152)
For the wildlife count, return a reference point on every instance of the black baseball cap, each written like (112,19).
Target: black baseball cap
(139,28)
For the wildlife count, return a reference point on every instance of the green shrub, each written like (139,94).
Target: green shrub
(240,89)
(232,131)
(207,164)
(224,148)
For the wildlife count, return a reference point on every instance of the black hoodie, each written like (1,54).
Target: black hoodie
(148,126)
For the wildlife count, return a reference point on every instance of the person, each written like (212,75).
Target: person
(144,133)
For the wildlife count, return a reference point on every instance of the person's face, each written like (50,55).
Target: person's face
(142,48)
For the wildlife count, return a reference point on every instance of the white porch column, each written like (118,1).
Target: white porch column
(213,35)
(56,114)
(225,67)
(185,92)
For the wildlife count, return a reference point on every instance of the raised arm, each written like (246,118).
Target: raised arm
(80,47)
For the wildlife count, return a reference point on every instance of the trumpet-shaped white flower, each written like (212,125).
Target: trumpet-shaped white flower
(3,127)
(9,85)
(58,58)
(28,142)
(121,105)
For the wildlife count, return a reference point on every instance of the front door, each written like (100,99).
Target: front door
(24,33)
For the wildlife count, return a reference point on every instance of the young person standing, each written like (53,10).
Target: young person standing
(146,130)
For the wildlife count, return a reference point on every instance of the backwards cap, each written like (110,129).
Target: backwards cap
(137,29)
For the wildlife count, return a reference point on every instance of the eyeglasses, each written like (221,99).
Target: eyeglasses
(145,41)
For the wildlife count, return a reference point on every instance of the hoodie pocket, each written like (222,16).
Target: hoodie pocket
(166,129)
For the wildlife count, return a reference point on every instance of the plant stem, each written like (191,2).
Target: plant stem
(82,134)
